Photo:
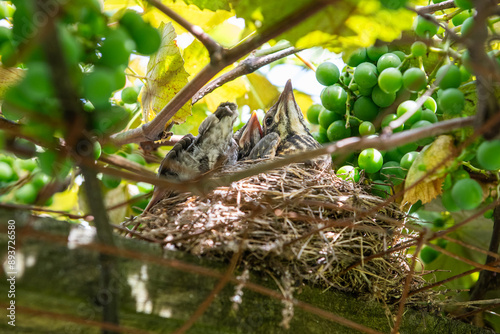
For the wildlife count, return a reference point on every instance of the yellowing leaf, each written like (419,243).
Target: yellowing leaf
(260,92)
(165,77)
(433,155)
(195,57)
(303,100)
(8,77)
(135,69)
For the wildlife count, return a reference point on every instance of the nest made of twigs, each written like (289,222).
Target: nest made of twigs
(294,221)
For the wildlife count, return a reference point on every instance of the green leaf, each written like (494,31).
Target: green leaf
(165,77)
(212,5)
(261,93)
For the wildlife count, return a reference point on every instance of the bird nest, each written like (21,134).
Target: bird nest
(297,223)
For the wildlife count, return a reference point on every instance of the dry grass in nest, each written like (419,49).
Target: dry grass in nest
(295,222)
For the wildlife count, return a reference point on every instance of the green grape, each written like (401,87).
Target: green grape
(40,180)
(37,82)
(400,54)
(388,119)
(334,98)
(408,147)
(422,124)
(70,45)
(388,60)
(6,172)
(392,172)
(98,86)
(467,25)
(448,201)
(136,158)
(460,174)
(488,214)
(129,95)
(366,128)
(338,130)
(370,160)
(88,106)
(467,194)
(451,101)
(354,126)
(348,173)
(390,80)
(97,150)
(447,183)
(428,254)
(381,98)
(414,79)
(110,181)
(460,18)
(28,164)
(466,61)
(408,106)
(327,117)
(116,48)
(111,120)
(464,74)
(357,57)
(321,137)
(430,104)
(425,28)
(450,76)
(464,4)
(392,155)
(363,91)
(313,112)
(365,109)
(119,78)
(24,149)
(365,75)
(393,4)
(408,159)
(429,116)
(380,189)
(418,49)
(26,194)
(327,74)
(5,35)
(375,52)
(488,154)
(146,37)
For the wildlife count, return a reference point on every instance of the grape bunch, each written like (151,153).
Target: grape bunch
(96,48)
(404,88)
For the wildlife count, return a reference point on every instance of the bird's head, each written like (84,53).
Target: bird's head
(248,136)
(285,116)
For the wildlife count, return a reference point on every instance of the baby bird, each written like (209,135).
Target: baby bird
(248,136)
(192,156)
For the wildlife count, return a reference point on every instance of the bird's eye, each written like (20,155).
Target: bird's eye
(269,121)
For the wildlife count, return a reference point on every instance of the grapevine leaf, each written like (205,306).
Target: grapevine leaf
(431,156)
(212,5)
(165,77)
(260,92)
(195,57)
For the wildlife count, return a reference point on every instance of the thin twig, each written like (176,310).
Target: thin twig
(247,66)
(436,7)
(214,48)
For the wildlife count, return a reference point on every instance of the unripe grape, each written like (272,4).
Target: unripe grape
(381,98)
(418,49)
(365,75)
(464,4)
(380,189)
(375,52)
(390,80)
(313,112)
(448,201)
(450,76)
(429,115)
(388,119)
(425,28)
(6,172)
(408,106)
(414,79)
(327,117)
(451,101)
(337,130)
(428,254)
(365,109)
(460,18)
(467,194)
(407,159)
(26,194)
(357,57)
(388,60)
(393,4)
(348,173)
(430,104)
(467,25)
(488,155)
(370,160)
(334,98)
(129,95)
(392,172)
(366,128)
(400,54)
(110,181)
(327,74)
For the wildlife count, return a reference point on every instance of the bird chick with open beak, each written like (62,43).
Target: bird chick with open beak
(248,136)
(193,156)
(285,131)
